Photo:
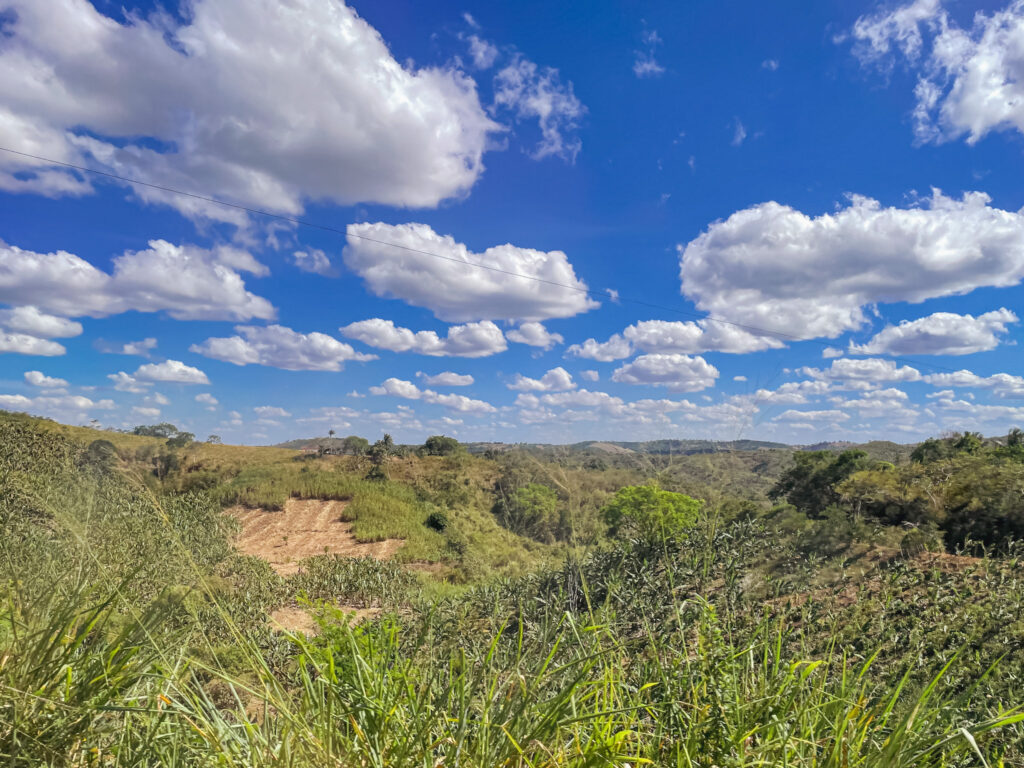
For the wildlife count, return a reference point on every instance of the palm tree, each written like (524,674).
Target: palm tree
(330,433)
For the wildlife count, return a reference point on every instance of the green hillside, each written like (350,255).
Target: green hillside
(651,609)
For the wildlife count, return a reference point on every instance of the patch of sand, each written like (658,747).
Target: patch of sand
(305,527)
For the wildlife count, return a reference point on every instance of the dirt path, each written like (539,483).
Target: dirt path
(305,527)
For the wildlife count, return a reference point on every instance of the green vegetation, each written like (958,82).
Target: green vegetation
(647,512)
(711,629)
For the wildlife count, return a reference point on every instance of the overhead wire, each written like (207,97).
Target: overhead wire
(757,330)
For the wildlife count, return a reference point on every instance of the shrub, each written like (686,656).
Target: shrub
(646,511)
(437,521)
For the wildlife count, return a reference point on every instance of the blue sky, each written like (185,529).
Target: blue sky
(794,227)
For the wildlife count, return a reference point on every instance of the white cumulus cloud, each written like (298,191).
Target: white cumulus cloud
(942,333)
(265,103)
(535,335)
(188,282)
(555,380)
(30,321)
(447,379)
(616,348)
(313,260)
(470,340)
(173,371)
(454,290)
(680,373)
(773,267)
(276,346)
(40,379)
(970,81)
(409,391)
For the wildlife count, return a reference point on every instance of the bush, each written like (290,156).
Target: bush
(646,511)
(437,521)
(441,445)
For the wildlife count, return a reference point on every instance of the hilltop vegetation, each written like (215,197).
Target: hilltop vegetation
(542,611)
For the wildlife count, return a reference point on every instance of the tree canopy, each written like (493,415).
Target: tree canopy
(647,511)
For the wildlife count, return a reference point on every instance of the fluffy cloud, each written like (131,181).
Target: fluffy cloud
(276,346)
(188,282)
(270,412)
(535,335)
(141,348)
(553,381)
(680,373)
(124,382)
(482,52)
(590,375)
(314,260)
(537,93)
(1001,384)
(942,333)
(693,337)
(616,348)
(173,371)
(66,408)
(30,321)
(208,400)
(774,267)
(330,115)
(452,289)
(409,391)
(870,371)
(39,379)
(447,379)
(971,81)
(23,344)
(470,340)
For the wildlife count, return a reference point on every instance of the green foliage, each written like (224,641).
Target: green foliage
(380,454)
(440,445)
(180,440)
(811,483)
(163,430)
(437,521)
(648,512)
(356,582)
(532,511)
(132,635)
(355,445)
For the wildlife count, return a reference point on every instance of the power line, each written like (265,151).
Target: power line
(757,330)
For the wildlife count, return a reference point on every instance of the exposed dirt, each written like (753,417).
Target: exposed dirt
(305,527)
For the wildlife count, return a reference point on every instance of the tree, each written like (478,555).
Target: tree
(646,511)
(1015,439)
(810,484)
(380,453)
(970,443)
(214,440)
(330,434)
(440,445)
(930,450)
(163,430)
(180,440)
(355,445)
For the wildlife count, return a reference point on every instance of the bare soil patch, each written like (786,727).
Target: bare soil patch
(305,527)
